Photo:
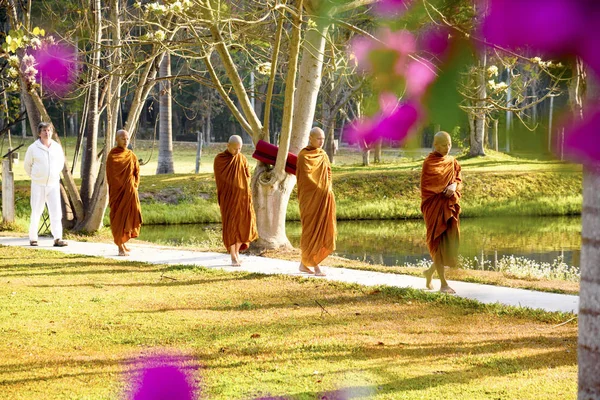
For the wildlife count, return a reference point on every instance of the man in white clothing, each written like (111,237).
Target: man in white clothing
(44,161)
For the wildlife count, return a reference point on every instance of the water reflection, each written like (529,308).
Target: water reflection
(400,242)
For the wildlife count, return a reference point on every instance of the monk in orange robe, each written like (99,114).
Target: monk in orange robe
(123,176)
(441,183)
(232,175)
(317,204)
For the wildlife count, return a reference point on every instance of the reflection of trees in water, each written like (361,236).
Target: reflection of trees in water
(541,239)
(400,242)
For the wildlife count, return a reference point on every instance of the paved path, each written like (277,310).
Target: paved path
(164,255)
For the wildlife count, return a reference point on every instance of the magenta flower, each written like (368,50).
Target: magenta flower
(391,8)
(163,378)
(553,27)
(394,124)
(581,141)
(419,75)
(360,47)
(436,41)
(556,28)
(57,66)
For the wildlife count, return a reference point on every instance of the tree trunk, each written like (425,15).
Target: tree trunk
(270,205)
(271,188)
(89,166)
(509,114)
(589,300)
(330,140)
(94,214)
(199,151)
(550,114)
(309,83)
(165,139)
(496,134)
(589,288)
(477,135)
(366,153)
(377,158)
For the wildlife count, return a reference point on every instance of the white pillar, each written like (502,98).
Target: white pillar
(8,191)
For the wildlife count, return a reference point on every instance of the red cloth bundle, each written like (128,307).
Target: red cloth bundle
(267,153)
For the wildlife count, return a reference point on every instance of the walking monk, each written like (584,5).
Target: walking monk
(317,204)
(123,176)
(441,183)
(232,175)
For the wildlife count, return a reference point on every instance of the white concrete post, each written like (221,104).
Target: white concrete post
(8,192)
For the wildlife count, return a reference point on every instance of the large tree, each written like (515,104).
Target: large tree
(297,33)
(133,62)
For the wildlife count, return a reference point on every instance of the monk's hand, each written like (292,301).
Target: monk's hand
(449,192)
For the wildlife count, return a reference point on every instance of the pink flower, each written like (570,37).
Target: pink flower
(394,124)
(360,47)
(58,67)
(419,75)
(391,8)
(556,28)
(161,378)
(436,41)
(581,140)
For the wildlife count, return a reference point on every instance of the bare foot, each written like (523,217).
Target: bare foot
(305,269)
(428,277)
(235,262)
(126,248)
(123,253)
(447,289)
(318,271)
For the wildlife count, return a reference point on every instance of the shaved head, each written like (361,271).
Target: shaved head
(121,132)
(441,135)
(316,131)
(317,137)
(235,139)
(442,142)
(234,145)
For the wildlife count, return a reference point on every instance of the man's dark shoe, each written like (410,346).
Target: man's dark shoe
(33,243)
(60,243)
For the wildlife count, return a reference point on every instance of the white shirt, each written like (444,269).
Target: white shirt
(44,164)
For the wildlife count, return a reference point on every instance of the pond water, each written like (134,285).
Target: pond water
(541,239)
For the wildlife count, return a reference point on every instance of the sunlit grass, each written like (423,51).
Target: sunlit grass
(71,326)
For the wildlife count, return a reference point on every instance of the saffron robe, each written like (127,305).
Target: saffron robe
(232,175)
(441,213)
(123,177)
(317,205)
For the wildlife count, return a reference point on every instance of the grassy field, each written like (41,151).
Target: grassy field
(73,327)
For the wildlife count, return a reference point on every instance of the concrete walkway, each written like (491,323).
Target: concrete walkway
(163,255)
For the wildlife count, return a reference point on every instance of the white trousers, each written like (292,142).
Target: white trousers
(40,196)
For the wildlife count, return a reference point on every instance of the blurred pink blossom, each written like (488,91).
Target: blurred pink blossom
(390,123)
(435,41)
(360,47)
(555,28)
(163,378)
(391,8)
(581,141)
(57,66)
(420,73)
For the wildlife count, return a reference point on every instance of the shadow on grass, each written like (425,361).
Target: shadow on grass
(165,281)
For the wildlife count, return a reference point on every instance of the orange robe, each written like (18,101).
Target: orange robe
(441,212)
(232,175)
(123,176)
(317,206)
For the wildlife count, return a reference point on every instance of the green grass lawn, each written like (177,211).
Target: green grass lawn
(73,326)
